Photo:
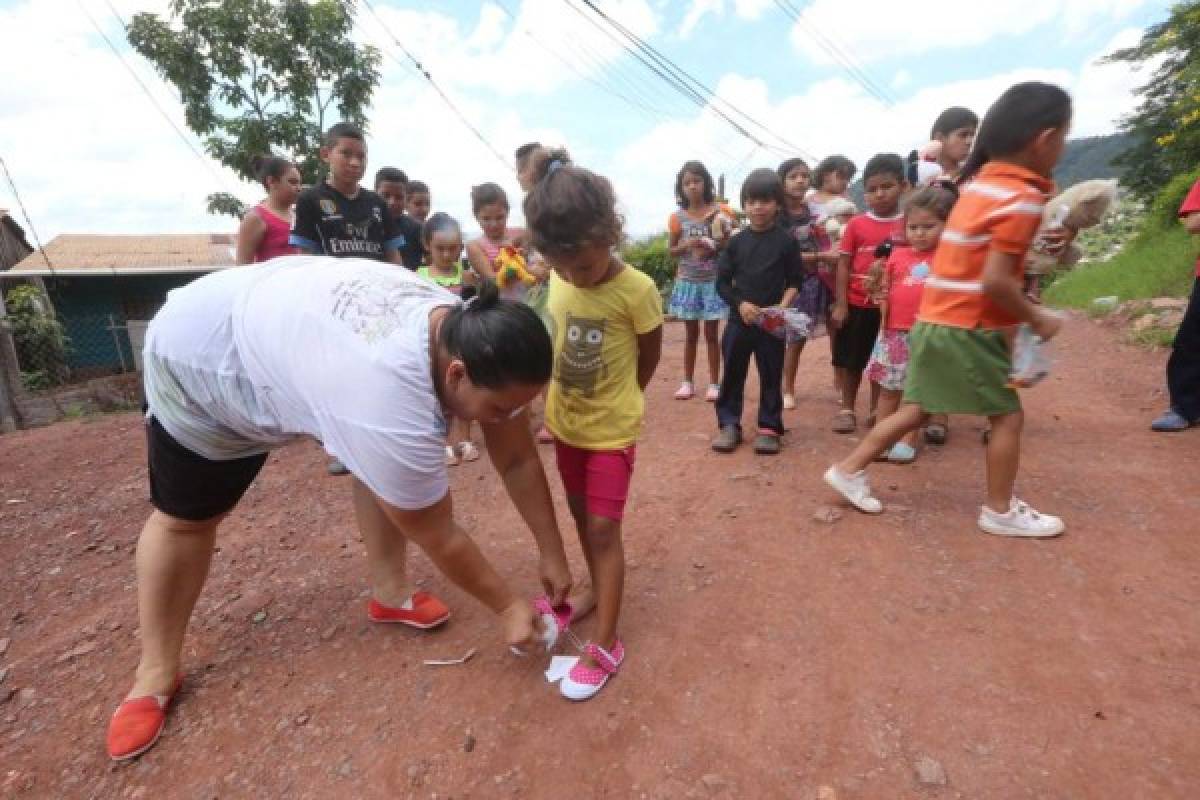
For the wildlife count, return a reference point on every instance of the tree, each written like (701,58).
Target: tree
(260,76)
(1165,127)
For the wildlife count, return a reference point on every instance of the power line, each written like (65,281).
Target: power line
(697,85)
(844,59)
(640,106)
(146,91)
(445,98)
(25,214)
(682,89)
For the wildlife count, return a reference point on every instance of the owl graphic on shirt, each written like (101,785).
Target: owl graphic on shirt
(580,359)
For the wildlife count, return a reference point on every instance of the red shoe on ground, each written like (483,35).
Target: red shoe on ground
(425,611)
(137,723)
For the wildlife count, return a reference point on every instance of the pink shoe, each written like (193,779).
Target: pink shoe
(686,391)
(555,619)
(714,391)
(582,683)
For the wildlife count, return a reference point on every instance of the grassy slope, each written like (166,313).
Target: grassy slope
(1157,263)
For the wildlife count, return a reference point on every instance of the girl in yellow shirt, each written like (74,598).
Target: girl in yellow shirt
(606,324)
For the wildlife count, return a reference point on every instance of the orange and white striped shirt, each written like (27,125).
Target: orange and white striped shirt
(1001,210)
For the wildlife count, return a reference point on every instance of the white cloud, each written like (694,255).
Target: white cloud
(698,11)
(877,29)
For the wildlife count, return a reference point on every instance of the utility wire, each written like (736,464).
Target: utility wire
(697,88)
(641,106)
(844,59)
(25,214)
(689,94)
(445,98)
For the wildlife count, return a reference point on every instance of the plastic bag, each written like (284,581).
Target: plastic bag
(1030,359)
(786,323)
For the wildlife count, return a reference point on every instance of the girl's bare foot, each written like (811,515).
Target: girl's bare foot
(582,601)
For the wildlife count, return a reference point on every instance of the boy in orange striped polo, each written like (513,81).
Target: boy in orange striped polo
(960,346)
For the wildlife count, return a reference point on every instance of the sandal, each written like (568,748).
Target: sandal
(138,722)
(936,434)
(451,456)
(901,453)
(845,422)
(468,451)
(582,683)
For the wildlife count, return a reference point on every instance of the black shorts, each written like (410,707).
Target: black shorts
(855,339)
(190,486)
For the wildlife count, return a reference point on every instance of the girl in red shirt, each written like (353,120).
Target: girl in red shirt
(264,231)
(899,297)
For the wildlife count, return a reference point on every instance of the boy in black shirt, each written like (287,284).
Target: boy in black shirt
(759,268)
(392,185)
(339,218)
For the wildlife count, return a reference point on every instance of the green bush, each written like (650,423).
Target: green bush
(649,255)
(41,340)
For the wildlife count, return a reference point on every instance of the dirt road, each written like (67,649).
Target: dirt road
(769,654)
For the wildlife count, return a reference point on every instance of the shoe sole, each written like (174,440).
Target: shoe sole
(768,450)
(1013,533)
(725,450)
(585,697)
(421,626)
(830,483)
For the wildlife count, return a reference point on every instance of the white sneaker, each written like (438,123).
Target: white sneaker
(789,402)
(685,391)
(855,488)
(1021,520)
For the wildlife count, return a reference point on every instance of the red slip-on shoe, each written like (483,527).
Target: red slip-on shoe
(426,612)
(137,723)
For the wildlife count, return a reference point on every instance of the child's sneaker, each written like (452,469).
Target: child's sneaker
(855,488)
(767,443)
(727,440)
(714,392)
(789,402)
(1021,520)
(686,391)
(582,683)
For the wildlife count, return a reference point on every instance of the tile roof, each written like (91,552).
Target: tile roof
(83,253)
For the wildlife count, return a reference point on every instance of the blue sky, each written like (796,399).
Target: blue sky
(90,153)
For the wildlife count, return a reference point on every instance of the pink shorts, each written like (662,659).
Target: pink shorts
(600,476)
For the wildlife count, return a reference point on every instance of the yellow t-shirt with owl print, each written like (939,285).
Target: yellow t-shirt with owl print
(595,402)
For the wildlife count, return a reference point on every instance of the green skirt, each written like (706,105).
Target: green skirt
(959,371)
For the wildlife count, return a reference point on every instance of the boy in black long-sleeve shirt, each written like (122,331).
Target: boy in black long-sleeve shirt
(759,268)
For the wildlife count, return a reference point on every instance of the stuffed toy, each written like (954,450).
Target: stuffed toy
(1080,207)
(840,211)
(510,268)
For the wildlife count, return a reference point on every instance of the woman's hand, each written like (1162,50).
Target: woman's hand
(522,627)
(556,577)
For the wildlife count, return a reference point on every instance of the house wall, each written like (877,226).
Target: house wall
(89,306)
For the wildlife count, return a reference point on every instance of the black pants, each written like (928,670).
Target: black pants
(1183,367)
(738,344)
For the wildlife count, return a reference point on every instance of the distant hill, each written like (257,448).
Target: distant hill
(1090,158)
(1084,159)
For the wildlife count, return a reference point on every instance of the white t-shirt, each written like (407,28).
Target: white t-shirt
(247,359)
